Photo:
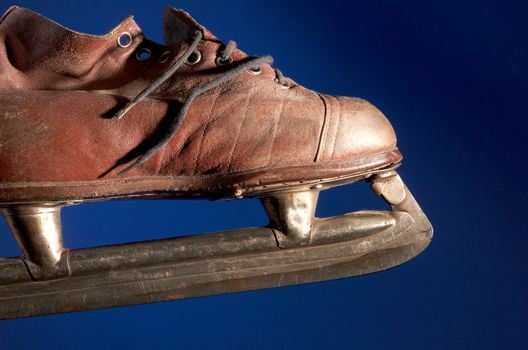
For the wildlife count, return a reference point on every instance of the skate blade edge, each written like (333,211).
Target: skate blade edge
(88,289)
(224,262)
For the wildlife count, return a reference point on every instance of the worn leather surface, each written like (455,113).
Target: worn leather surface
(59,90)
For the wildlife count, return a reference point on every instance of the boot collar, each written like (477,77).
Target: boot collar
(23,16)
(178,25)
(42,54)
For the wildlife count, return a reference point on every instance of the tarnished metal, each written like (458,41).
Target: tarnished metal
(37,230)
(215,263)
(390,186)
(292,216)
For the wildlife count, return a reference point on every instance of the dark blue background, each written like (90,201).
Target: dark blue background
(452,77)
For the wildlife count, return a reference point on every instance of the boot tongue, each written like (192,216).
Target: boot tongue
(179,26)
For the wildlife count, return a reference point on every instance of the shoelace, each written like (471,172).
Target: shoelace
(224,58)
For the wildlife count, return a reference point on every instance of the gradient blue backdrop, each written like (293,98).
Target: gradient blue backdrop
(452,77)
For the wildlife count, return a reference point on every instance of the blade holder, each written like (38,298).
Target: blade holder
(292,216)
(37,230)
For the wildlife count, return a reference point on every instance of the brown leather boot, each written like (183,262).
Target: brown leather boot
(85,117)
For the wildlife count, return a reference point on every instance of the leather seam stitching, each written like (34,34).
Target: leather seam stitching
(281,110)
(324,131)
(244,118)
(336,127)
(205,127)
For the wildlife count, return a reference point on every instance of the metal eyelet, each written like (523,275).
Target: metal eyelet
(194,58)
(255,70)
(124,40)
(283,85)
(221,62)
(164,56)
(143,54)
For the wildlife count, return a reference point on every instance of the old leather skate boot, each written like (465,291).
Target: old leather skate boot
(87,118)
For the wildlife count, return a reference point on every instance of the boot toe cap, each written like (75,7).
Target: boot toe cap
(354,128)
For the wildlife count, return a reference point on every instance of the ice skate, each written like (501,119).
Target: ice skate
(90,118)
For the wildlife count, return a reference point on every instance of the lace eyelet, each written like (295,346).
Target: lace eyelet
(255,70)
(221,62)
(143,54)
(194,58)
(164,57)
(124,40)
(282,85)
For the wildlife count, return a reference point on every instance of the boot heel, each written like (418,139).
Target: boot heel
(37,230)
